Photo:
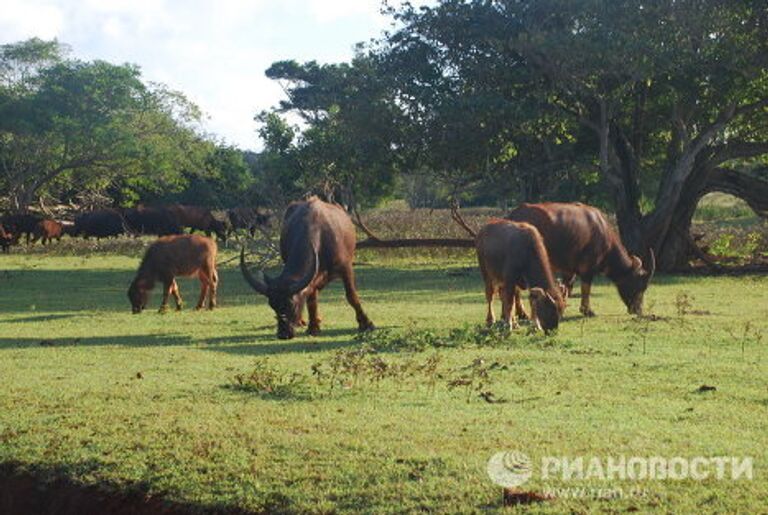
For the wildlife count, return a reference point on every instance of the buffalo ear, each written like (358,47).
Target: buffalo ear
(537,293)
(637,264)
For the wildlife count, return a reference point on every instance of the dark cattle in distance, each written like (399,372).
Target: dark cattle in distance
(317,245)
(581,242)
(102,223)
(176,256)
(23,224)
(6,240)
(48,230)
(198,218)
(512,257)
(151,220)
(246,218)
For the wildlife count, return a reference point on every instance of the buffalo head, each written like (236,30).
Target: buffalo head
(283,294)
(545,311)
(138,294)
(632,287)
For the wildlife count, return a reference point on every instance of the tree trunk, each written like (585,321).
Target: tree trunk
(674,249)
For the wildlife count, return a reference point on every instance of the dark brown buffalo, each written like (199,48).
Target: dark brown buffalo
(22,224)
(246,218)
(581,242)
(512,257)
(6,239)
(48,230)
(198,218)
(102,223)
(317,245)
(170,257)
(151,220)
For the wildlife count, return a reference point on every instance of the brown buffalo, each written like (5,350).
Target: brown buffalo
(317,245)
(47,230)
(170,257)
(512,257)
(198,218)
(581,242)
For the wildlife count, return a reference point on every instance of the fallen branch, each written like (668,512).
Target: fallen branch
(414,243)
(459,219)
(358,221)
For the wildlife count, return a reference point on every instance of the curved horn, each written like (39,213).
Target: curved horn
(302,283)
(260,284)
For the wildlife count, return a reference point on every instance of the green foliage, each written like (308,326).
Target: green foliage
(69,127)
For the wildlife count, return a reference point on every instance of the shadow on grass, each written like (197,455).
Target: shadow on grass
(138,340)
(37,318)
(46,490)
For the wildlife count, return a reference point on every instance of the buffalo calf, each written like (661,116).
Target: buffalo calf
(512,257)
(47,230)
(170,257)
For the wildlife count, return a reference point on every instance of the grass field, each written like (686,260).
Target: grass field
(210,410)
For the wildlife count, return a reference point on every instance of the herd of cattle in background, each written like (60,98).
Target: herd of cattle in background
(523,251)
(142,220)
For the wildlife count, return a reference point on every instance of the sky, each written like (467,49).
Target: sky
(215,52)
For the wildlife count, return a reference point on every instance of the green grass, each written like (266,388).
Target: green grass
(151,401)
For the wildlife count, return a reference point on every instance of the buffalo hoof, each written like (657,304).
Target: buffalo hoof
(366,326)
(313,330)
(179,307)
(163,310)
(587,312)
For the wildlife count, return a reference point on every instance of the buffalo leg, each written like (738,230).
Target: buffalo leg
(167,290)
(489,317)
(586,288)
(507,306)
(177,295)
(204,287)
(213,287)
(314,315)
(363,322)
(519,308)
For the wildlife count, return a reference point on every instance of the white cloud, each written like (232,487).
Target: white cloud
(23,19)
(213,51)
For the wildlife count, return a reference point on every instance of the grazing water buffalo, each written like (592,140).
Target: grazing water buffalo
(6,239)
(170,257)
(101,223)
(581,242)
(317,245)
(151,220)
(246,218)
(21,224)
(199,219)
(48,230)
(512,257)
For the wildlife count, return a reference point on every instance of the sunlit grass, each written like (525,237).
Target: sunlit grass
(110,398)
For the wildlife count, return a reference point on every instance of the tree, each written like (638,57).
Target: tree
(348,150)
(68,125)
(670,95)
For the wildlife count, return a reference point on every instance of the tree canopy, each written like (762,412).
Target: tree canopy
(68,127)
(640,106)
